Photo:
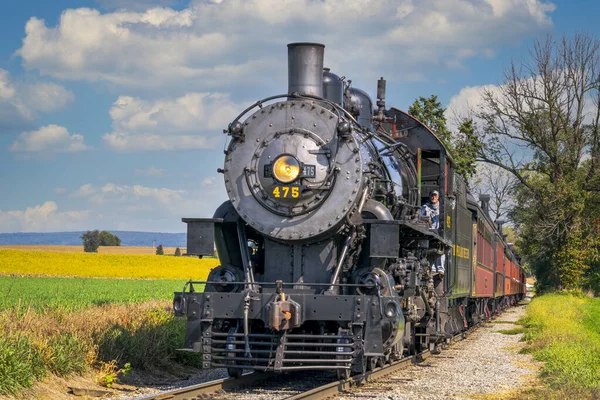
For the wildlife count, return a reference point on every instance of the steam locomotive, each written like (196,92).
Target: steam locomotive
(325,256)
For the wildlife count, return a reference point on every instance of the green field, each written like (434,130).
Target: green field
(42,293)
(70,325)
(65,326)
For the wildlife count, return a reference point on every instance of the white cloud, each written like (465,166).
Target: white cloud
(121,207)
(84,191)
(113,193)
(50,138)
(20,102)
(138,207)
(232,42)
(210,180)
(163,196)
(14,115)
(41,218)
(187,122)
(6,89)
(46,97)
(466,104)
(124,142)
(151,172)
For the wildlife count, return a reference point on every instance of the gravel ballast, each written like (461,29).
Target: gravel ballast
(196,379)
(487,362)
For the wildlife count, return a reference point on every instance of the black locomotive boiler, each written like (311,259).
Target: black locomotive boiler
(325,257)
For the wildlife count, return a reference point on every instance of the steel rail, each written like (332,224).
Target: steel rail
(195,391)
(333,388)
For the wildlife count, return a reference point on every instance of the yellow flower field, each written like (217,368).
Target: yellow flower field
(79,249)
(104,265)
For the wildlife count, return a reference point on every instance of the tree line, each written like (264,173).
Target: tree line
(534,143)
(94,239)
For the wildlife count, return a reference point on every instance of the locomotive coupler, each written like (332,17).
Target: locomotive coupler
(284,313)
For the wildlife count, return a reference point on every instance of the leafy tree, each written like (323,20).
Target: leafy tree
(466,146)
(429,111)
(91,241)
(109,239)
(177,252)
(463,145)
(542,125)
(159,250)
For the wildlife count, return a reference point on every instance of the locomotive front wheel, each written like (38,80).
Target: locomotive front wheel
(372,363)
(360,365)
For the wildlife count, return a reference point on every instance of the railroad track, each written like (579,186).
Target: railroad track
(333,388)
(216,387)
(203,389)
(221,387)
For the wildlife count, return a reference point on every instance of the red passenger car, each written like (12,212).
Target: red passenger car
(497,278)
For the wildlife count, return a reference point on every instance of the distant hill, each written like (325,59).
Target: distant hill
(128,238)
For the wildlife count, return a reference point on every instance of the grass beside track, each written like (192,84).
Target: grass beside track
(68,294)
(563,330)
(105,339)
(64,313)
(63,326)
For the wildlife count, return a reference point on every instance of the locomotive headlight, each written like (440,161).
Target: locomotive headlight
(391,309)
(286,169)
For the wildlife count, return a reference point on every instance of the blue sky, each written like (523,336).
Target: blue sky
(111,111)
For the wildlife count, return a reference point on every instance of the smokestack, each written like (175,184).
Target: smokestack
(305,68)
(485,203)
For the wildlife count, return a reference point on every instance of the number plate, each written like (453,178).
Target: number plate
(285,192)
(308,171)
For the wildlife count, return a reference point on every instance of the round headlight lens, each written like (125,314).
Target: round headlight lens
(286,169)
(391,309)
